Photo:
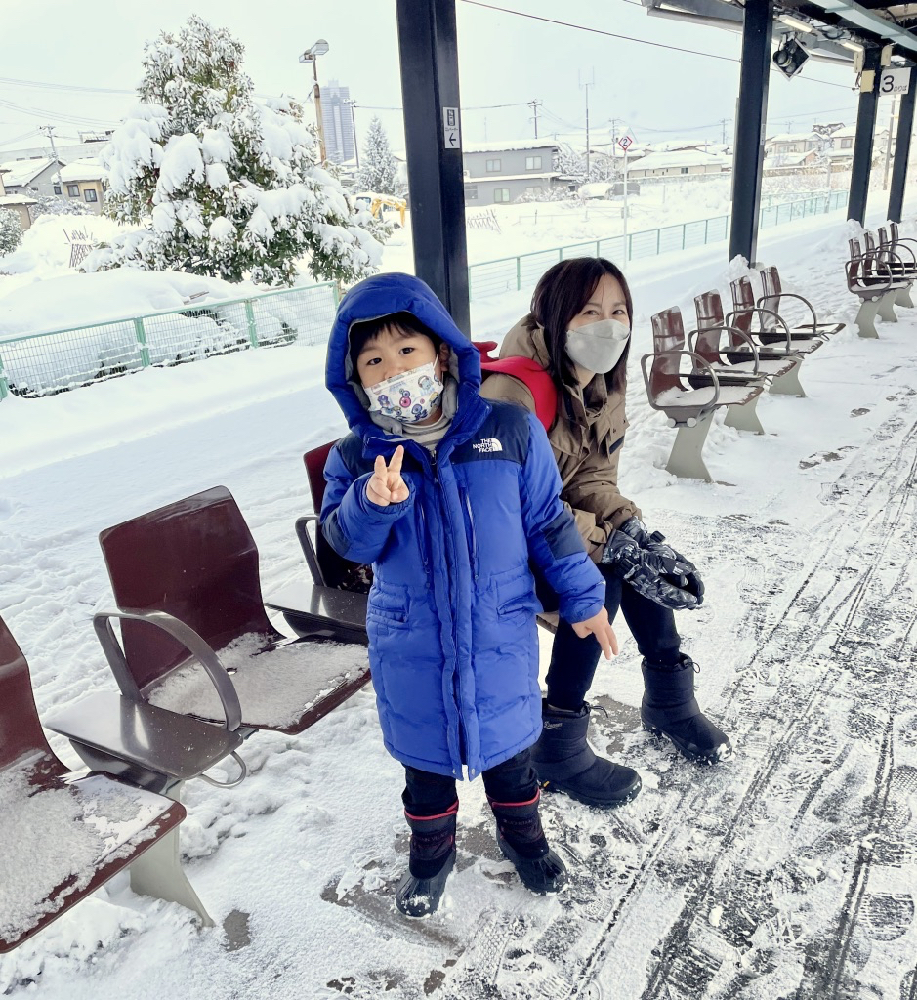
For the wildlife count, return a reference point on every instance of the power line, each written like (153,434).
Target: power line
(628,38)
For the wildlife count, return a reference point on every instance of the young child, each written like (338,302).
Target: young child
(449,496)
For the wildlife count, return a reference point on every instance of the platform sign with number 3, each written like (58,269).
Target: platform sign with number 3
(894,81)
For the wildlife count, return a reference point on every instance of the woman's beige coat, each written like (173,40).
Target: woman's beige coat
(586,437)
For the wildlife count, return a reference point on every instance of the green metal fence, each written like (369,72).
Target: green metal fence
(516,273)
(50,362)
(54,361)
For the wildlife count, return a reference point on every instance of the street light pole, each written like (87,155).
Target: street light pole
(311,56)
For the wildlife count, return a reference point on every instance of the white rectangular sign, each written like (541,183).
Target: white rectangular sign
(452,135)
(894,81)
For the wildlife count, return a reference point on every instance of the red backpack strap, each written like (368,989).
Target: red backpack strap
(536,380)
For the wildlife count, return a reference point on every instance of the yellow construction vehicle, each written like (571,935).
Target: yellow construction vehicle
(375,202)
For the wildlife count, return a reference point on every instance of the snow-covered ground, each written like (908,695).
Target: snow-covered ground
(789,871)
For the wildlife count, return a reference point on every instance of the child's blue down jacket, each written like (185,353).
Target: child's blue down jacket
(453,642)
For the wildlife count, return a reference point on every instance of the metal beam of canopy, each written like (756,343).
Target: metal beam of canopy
(428,48)
(902,147)
(862,141)
(748,154)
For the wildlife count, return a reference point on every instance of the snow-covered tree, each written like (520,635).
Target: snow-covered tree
(378,169)
(220,183)
(10,232)
(54,204)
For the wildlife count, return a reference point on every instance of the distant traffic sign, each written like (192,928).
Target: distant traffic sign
(626,141)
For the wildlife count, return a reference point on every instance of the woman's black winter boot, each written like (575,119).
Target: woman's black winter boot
(522,840)
(565,762)
(432,858)
(670,709)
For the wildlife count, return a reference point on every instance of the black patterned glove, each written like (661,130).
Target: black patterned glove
(654,570)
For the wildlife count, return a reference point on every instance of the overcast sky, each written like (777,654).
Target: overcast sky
(504,59)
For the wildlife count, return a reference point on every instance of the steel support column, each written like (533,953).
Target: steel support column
(862,143)
(428,49)
(902,147)
(748,156)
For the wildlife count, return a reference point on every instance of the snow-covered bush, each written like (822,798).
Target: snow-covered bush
(221,184)
(54,204)
(379,169)
(10,232)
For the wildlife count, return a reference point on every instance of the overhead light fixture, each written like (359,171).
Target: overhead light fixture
(798,25)
(853,46)
(789,57)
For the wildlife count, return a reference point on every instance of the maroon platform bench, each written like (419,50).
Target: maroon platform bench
(690,398)
(874,284)
(741,352)
(66,835)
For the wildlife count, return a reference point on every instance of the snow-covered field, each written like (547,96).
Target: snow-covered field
(788,872)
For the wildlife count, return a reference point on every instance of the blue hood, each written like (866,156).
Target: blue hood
(381,295)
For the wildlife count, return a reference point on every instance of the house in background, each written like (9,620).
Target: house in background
(502,172)
(792,142)
(18,204)
(791,163)
(84,179)
(679,163)
(31,176)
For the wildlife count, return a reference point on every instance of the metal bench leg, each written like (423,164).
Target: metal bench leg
(744,417)
(788,384)
(887,307)
(158,872)
(903,297)
(866,319)
(685,460)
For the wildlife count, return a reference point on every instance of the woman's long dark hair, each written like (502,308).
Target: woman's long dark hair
(561,293)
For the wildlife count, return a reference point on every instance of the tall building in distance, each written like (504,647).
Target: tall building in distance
(337,121)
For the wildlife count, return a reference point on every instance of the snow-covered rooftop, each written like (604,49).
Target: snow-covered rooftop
(681,158)
(87,169)
(16,199)
(17,173)
(507,145)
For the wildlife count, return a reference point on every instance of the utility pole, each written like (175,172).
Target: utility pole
(587,85)
(353,125)
(723,122)
(888,141)
(535,105)
(49,129)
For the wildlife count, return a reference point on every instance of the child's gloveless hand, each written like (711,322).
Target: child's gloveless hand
(599,626)
(386,486)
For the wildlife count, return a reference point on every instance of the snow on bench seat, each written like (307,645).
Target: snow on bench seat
(701,397)
(56,839)
(276,687)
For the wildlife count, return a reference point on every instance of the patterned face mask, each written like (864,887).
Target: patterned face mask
(408,397)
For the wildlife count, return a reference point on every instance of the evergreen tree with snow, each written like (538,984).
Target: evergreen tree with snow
(10,232)
(379,169)
(221,184)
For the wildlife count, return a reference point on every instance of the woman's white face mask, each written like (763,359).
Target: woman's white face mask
(598,346)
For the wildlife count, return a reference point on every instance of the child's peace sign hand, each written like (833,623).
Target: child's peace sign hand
(386,486)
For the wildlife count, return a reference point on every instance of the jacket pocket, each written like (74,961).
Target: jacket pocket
(387,607)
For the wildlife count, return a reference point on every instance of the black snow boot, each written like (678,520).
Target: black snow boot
(564,762)
(670,709)
(522,840)
(432,858)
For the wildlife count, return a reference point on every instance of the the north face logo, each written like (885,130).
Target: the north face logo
(487,444)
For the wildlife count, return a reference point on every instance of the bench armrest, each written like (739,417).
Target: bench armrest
(179,631)
(697,358)
(308,548)
(757,310)
(789,295)
(862,277)
(734,330)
